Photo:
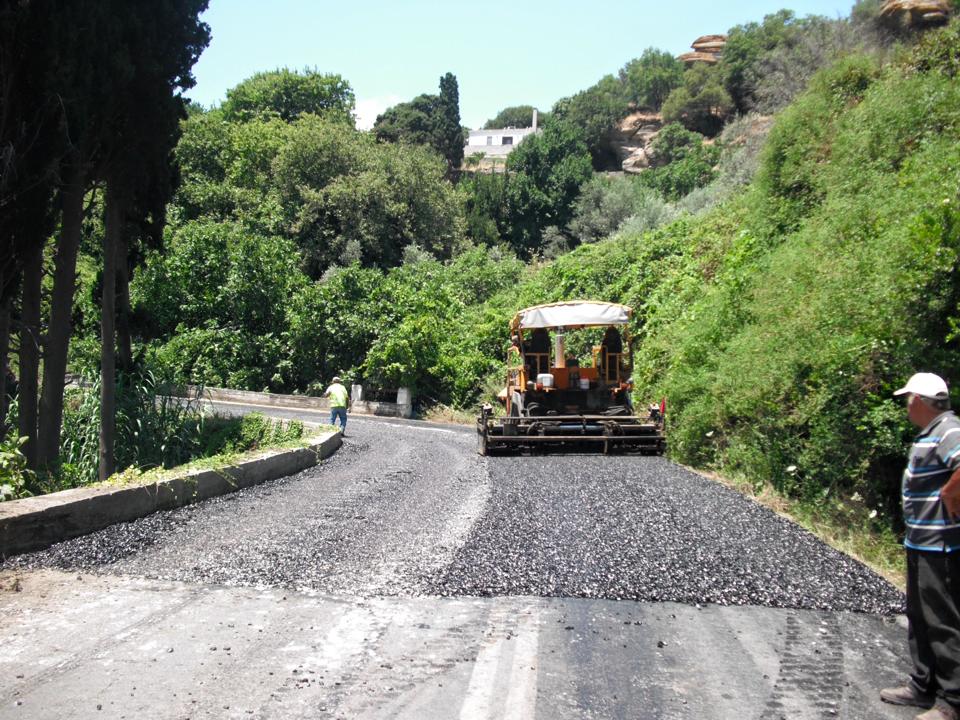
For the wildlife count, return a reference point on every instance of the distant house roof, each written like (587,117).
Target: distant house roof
(515,132)
(477,142)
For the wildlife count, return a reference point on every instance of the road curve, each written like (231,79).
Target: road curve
(408,577)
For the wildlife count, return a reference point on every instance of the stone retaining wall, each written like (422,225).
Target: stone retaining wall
(402,408)
(38,522)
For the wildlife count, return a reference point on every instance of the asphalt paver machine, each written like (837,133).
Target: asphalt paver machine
(556,398)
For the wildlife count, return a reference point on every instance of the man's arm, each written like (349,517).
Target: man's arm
(950,494)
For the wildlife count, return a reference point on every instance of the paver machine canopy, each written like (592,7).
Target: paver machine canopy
(551,398)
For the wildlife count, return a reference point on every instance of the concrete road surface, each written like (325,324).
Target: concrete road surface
(409,578)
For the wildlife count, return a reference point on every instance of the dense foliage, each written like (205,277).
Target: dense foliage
(516,116)
(786,274)
(650,78)
(684,162)
(287,94)
(428,120)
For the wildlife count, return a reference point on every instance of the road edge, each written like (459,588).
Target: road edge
(38,522)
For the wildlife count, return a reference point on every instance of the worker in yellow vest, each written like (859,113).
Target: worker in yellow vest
(339,402)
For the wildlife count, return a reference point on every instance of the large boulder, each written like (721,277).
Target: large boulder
(915,13)
(632,141)
(706,49)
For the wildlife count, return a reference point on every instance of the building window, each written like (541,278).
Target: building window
(489,139)
(507,140)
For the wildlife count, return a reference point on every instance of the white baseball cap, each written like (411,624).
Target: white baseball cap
(925,385)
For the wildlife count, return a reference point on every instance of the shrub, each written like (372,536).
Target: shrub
(701,104)
(650,78)
(938,51)
(785,71)
(250,432)
(153,429)
(606,202)
(16,479)
(684,162)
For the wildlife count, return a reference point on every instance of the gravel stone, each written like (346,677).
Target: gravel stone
(642,528)
(408,509)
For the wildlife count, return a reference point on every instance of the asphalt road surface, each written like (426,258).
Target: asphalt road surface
(407,577)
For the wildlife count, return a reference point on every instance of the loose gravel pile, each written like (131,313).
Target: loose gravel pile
(375,519)
(403,511)
(644,529)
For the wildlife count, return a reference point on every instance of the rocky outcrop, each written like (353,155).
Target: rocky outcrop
(706,49)
(632,141)
(915,13)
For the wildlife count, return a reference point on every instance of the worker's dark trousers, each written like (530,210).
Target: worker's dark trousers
(933,611)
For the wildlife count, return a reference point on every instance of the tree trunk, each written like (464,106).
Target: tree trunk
(58,333)
(4,351)
(30,351)
(113,219)
(124,341)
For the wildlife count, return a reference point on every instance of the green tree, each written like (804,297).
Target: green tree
(684,162)
(745,45)
(227,170)
(516,116)
(350,199)
(410,122)
(547,171)
(701,104)
(288,94)
(650,78)
(595,113)
(484,198)
(449,134)
(431,120)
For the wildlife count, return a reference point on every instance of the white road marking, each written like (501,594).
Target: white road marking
(482,701)
(522,700)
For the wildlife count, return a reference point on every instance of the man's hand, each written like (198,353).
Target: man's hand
(950,494)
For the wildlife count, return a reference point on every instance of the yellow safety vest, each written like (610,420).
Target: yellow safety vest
(338,395)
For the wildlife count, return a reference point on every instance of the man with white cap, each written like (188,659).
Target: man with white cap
(339,401)
(931,513)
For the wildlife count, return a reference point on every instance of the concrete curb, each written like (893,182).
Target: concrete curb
(300,402)
(38,522)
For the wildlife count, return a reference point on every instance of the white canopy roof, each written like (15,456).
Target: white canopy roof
(580,313)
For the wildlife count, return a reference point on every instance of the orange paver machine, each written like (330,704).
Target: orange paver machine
(557,397)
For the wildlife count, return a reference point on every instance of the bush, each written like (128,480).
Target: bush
(16,479)
(785,71)
(701,104)
(684,162)
(250,432)
(938,51)
(741,143)
(606,202)
(153,429)
(786,354)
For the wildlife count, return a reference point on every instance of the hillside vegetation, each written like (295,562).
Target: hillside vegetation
(779,323)
(786,274)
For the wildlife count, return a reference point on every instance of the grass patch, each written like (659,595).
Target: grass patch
(259,434)
(452,416)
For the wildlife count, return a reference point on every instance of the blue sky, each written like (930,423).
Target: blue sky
(503,53)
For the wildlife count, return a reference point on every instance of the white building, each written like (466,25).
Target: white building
(497,142)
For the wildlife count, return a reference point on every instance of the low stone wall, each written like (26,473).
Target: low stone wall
(402,408)
(38,522)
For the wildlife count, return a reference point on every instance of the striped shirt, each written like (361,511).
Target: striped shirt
(934,456)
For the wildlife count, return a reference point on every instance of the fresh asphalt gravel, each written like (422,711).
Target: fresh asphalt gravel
(407,509)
